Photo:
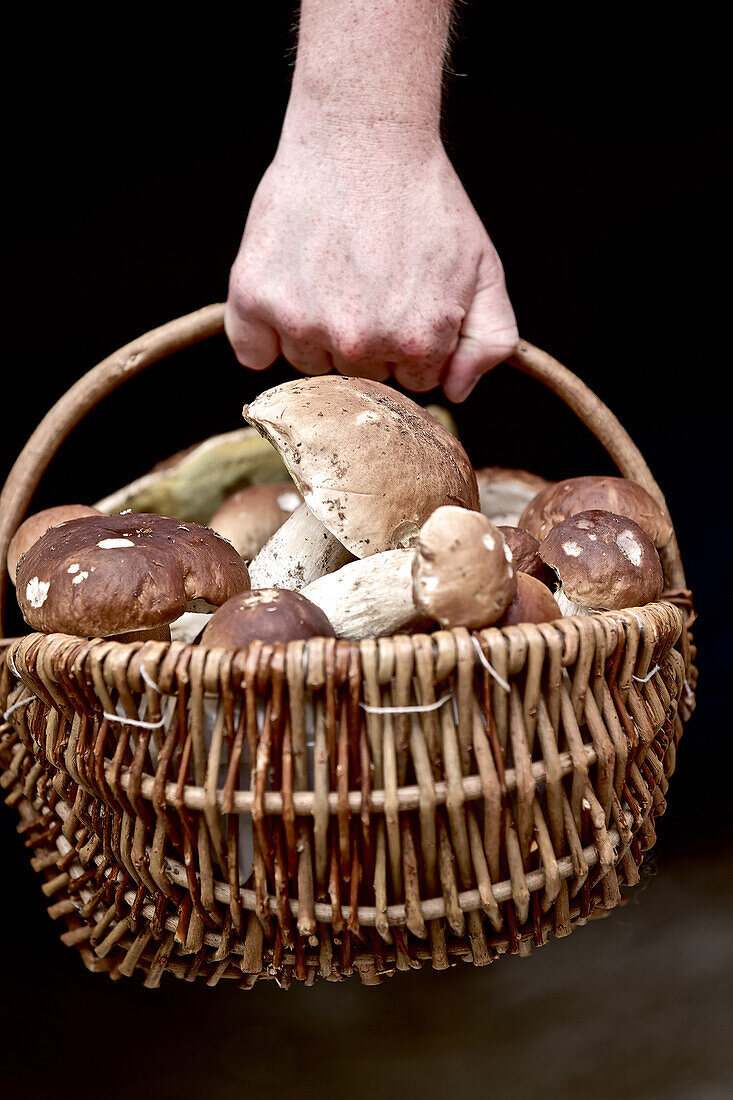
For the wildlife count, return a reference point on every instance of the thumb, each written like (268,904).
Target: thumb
(488,334)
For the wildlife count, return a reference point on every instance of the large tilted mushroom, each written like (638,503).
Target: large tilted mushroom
(371,464)
(603,561)
(459,574)
(564,499)
(36,525)
(505,492)
(99,576)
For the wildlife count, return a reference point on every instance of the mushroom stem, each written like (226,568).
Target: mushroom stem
(299,552)
(368,597)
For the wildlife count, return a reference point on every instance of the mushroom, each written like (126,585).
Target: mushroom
(36,525)
(368,597)
(618,495)
(463,574)
(533,603)
(193,483)
(460,574)
(504,492)
(524,552)
(99,576)
(371,465)
(266,614)
(248,518)
(603,561)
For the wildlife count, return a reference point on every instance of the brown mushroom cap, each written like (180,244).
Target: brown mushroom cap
(372,465)
(36,525)
(608,494)
(504,492)
(102,575)
(249,517)
(524,549)
(462,573)
(604,561)
(267,615)
(533,603)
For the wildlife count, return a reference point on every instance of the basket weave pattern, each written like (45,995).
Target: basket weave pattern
(428,798)
(461,832)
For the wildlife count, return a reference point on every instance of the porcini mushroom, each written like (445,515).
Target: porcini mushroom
(532,603)
(36,525)
(459,574)
(251,516)
(463,574)
(107,575)
(524,549)
(603,562)
(371,464)
(505,492)
(618,495)
(268,615)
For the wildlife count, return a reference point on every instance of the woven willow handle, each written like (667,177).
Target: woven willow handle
(85,394)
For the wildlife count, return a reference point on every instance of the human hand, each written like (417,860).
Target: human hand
(364,254)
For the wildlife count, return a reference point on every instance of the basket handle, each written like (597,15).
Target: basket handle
(155,345)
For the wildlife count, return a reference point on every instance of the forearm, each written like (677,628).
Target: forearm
(369,69)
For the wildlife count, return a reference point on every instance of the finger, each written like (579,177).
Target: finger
(363,368)
(488,336)
(255,343)
(306,357)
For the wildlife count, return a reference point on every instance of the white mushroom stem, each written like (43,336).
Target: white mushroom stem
(299,552)
(188,626)
(368,597)
(569,607)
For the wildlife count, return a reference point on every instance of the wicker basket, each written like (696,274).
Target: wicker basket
(438,818)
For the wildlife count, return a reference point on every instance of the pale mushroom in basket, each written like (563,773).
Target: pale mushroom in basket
(36,525)
(459,574)
(532,603)
(604,562)
(618,495)
(505,492)
(371,464)
(251,516)
(102,576)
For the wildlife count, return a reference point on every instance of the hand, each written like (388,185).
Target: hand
(370,263)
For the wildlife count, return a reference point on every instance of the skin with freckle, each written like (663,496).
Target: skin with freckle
(563,499)
(102,575)
(603,561)
(362,251)
(267,615)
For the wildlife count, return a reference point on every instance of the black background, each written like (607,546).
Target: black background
(595,155)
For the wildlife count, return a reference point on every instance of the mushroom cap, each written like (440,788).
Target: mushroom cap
(604,561)
(101,575)
(566,498)
(370,463)
(36,525)
(249,517)
(504,492)
(463,573)
(524,549)
(267,615)
(533,603)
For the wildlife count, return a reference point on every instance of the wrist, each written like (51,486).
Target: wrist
(338,127)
